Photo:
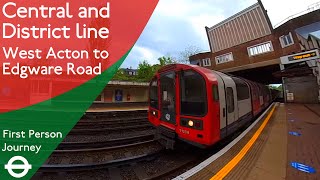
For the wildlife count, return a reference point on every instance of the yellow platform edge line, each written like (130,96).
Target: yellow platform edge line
(228,167)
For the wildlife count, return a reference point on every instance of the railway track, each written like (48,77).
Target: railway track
(155,164)
(73,162)
(110,123)
(134,156)
(105,145)
(148,164)
(113,119)
(113,115)
(96,131)
(103,165)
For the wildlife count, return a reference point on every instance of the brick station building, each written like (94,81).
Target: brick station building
(247,45)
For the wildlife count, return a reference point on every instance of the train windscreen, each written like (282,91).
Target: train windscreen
(167,89)
(154,101)
(193,94)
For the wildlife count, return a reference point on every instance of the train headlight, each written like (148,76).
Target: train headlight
(154,113)
(190,123)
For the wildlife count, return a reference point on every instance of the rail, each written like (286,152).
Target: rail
(103,130)
(107,144)
(103,165)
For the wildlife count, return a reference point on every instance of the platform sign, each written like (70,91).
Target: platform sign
(294,133)
(290,97)
(118,95)
(300,57)
(302,167)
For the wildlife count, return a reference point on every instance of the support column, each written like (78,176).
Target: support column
(284,88)
(317,73)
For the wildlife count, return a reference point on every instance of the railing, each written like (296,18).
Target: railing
(312,7)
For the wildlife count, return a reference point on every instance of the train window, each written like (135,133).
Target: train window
(215,93)
(154,101)
(242,89)
(260,90)
(230,100)
(193,94)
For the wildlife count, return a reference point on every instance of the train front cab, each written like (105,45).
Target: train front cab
(179,106)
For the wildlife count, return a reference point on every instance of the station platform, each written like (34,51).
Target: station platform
(112,107)
(95,107)
(282,144)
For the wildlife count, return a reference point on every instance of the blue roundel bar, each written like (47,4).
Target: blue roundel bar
(302,167)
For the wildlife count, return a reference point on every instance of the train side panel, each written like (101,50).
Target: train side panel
(255,100)
(244,101)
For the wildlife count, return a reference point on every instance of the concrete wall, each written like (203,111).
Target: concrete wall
(304,89)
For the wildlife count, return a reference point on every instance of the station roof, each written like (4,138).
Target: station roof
(309,30)
(316,35)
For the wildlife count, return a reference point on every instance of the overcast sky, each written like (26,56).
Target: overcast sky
(178,24)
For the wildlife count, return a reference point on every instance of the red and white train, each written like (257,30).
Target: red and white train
(201,106)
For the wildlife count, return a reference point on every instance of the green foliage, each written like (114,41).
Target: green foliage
(165,60)
(121,76)
(145,70)
(279,88)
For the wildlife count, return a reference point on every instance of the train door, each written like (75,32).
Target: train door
(228,103)
(167,94)
(231,103)
(261,95)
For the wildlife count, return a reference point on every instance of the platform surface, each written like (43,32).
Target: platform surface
(272,153)
(305,148)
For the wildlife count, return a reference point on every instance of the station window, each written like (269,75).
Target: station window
(286,40)
(260,48)
(224,58)
(206,62)
(195,62)
(242,89)
(193,94)
(154,99)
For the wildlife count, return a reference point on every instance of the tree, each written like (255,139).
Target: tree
(119,75)
(145,71)
(279,88)
(189,51)
(165,60)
